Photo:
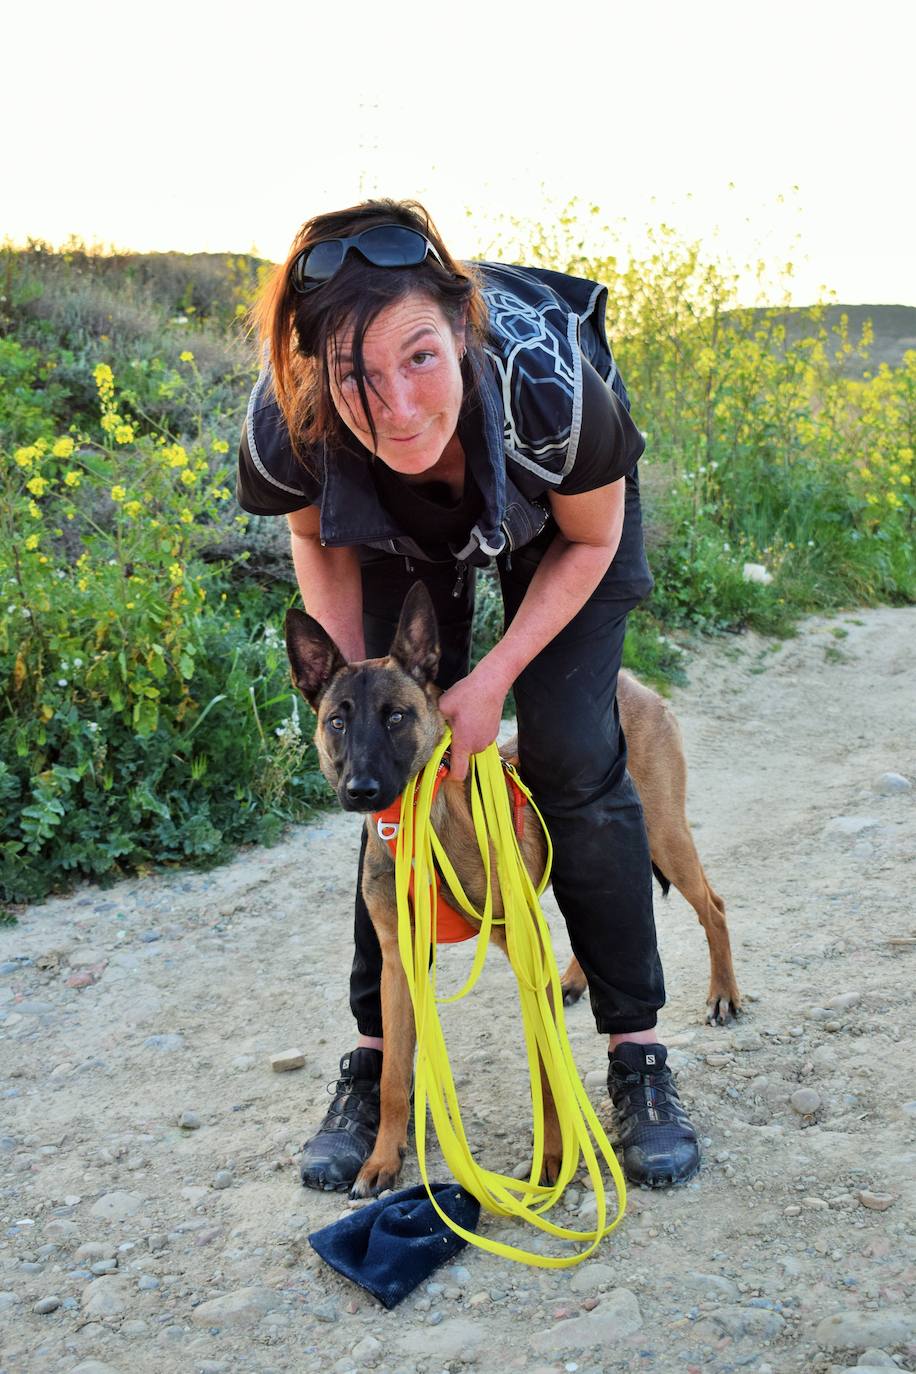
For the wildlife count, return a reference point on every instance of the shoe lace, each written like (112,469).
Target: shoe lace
(651,1094)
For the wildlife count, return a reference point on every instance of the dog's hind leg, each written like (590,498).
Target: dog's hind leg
(573,983)
(675,856)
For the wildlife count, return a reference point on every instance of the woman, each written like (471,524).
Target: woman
(419,418)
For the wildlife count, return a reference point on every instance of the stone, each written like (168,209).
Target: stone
(844,1001)
(592,1276)
(857,1330)
(805,1101)
(241,1308)
(876,1202)
(95,1367)
(615,1317)
(878,1359)
(116,1206)
(890,783)
(105,1297)
(45,1305)
(756,1322)
(287,1060)
(164,1044)
(104,1266)
(367,1351)
(455,1339)
(94,1250)
(223,1178)
(189,1121)
(713,1283)
(850,825)
(61,1229)
(148,1283)
(7,1300)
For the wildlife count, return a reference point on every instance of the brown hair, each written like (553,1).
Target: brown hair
(298,329)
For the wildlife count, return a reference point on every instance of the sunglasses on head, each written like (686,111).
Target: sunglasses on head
(386,245)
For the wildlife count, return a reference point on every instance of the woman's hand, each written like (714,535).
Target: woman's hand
(474,710)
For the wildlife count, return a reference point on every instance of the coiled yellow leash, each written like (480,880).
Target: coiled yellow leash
(531,956)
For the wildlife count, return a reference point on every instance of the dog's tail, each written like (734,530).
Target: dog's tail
(664,883)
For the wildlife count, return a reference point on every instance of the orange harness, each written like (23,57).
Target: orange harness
(451,926)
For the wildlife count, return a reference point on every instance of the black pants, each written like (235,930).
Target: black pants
(573,757)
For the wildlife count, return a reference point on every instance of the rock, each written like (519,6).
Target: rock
(189,1121)
(134,1328)
(805,1101)
(116,1206)
(877,1202)
(756,572)
(287,1060)
(95,1367)
(454,1339)
(858,1330)
(878,1359)
(592,1276)
(755,1322)
(94,1250)
(45,1305)
(889,783)
(61,1229)
(7,1300)
(107,1297)
(223,1178)
(844,1001)
(367,1351)
(615,1317)
(850,825)
(164,1044)
(104,1266)
(241,1308)
(713,1283)
(148,1283)
(86,957)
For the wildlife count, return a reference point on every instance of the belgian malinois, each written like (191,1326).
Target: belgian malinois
(378,723)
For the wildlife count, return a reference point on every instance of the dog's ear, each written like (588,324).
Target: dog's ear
(416,644)
(313,656)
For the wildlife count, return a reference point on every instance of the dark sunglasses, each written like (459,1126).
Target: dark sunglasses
(386,245)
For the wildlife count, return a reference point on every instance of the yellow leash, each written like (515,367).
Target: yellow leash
(531,956)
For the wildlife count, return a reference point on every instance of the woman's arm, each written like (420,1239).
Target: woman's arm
(330,583)
(589,527)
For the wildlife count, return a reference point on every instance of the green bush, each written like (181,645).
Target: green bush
(148,718)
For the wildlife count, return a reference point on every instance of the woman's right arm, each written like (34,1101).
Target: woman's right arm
(330,583)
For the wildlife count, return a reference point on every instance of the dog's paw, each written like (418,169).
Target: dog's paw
(723,1008)
(380,1172)
(572,984)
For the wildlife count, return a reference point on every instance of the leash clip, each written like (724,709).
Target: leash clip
(387,830)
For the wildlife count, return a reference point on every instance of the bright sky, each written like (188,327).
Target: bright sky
(202,126)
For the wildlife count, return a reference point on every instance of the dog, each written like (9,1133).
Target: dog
(378,722)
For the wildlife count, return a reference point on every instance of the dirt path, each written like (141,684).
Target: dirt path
(802,1212)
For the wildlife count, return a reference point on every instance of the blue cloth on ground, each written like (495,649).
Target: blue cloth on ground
(392,1245)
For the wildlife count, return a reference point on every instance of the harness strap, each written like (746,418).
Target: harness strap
(451,926)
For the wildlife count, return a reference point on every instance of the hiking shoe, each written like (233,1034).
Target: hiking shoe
(660,1146)
(344,1140)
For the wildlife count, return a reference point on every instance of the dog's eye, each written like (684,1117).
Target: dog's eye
(336,722)
(396,717)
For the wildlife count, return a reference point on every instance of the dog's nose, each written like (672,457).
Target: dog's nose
(363,791)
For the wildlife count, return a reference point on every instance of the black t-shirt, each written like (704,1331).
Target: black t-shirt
(609,447)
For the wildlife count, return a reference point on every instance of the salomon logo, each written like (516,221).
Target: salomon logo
(650,1058)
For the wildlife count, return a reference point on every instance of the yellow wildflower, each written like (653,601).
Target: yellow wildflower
(42,558)
(865,473)
(186,357)
(72,478)
(176,572)
(188,477)
(63,447)
(34,511)
(83,584)
(124,434)
(110,422)
(175,456)
(133,509)
(219,446)
(906,479)
(222,493)
(103,375)
(25,457)
(186,517)
(130,605)
(118,493)
(32,542)
(82,560)
(38,485)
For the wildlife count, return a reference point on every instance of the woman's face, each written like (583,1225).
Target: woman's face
(412,361)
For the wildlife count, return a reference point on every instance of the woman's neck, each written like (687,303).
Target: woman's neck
(449,469)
